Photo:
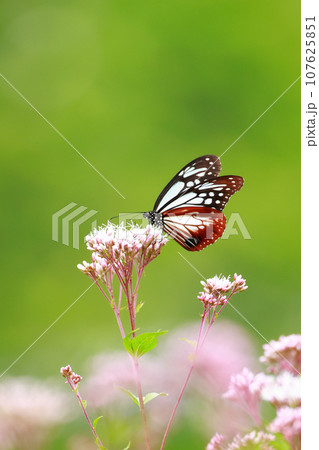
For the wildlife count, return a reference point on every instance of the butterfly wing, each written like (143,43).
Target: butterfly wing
(191,205)
(216,192)
(197,171)
(194,228)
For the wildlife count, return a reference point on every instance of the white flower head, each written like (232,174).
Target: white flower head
(283,390)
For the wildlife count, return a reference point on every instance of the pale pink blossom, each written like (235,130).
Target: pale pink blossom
(284,354)
(282,390)
(260,439)
(123,253)
(212,300)
(288,423)
(28,410)
(217,285)
(75,378)
(107,373)
(218,290)
(239,283)
(245,389)
(98,270)
(72,377)
(216,442)
(119,248)
(66,371)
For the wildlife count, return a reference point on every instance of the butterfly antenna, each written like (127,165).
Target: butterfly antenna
(136,214)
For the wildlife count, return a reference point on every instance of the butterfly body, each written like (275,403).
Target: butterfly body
(154,218)
(189,209)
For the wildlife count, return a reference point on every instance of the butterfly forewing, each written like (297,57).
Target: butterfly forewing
(180,188)
(214,193)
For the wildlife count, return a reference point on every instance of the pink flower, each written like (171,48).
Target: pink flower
(217,289)
(108,373)
(210,300)
(66,371)
(216,442)
(121,252)
(284,354)
(283,390)
(71,377)
(217,285)
(239,283)
(250,440)
(98,269)
(245,389)
(75,378)
(30,408)
(119,248)
(288,423)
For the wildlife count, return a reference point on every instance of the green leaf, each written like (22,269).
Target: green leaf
(128,446)
(96,421)
(84,403)
(139,307)
(148,397)
(192,343)
(141,344)
(130,394)
(127,342)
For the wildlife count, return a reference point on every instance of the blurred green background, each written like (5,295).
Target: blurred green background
(141,88)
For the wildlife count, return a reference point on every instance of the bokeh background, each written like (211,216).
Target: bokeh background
(141,88)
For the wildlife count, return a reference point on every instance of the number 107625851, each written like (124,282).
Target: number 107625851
(310,34)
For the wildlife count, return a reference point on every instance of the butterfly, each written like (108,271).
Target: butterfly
(189,208)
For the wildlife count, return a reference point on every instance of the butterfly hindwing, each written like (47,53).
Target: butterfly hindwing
(194,228)
(216,192)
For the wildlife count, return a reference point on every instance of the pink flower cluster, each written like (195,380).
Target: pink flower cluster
(72,377)
(118,248)
(288,423)
(245,389)
(216,442)
(254,439)
(282,391)
(257,439)
(122,252)
(284,354)
(217,288)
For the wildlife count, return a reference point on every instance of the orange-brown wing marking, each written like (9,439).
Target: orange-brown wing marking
(194,228)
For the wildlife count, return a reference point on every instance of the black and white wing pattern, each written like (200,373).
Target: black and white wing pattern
(198,184)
